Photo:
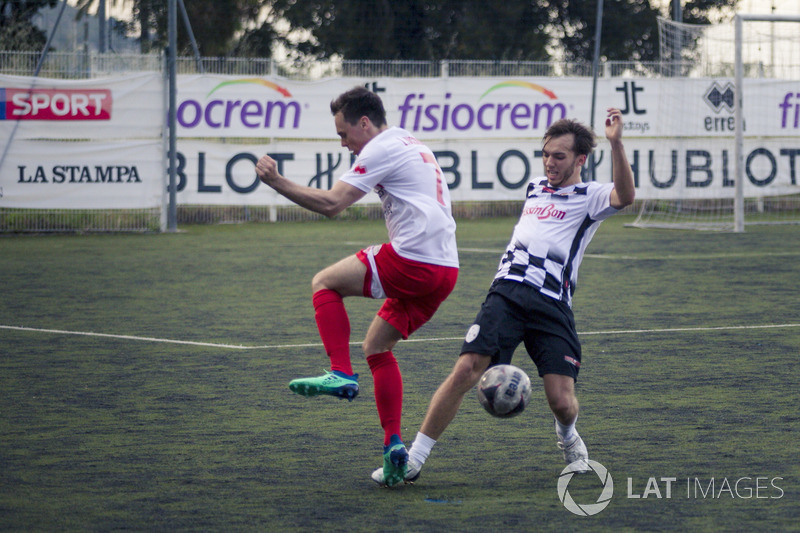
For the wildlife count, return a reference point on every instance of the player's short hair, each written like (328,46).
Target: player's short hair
(585,139)
(359,102)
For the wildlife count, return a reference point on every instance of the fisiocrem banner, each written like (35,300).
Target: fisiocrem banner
(429,108)
(485,108)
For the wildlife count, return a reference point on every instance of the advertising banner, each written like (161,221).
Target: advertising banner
(107,152)
(484,108)
(216,106)
(122,107)
(213,173)
(83,175)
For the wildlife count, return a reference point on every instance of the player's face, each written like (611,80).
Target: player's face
(562,165)
(353,136)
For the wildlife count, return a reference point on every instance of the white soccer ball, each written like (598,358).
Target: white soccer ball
(504,390)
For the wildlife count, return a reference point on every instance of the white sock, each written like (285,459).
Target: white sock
(421,448)
(566,433)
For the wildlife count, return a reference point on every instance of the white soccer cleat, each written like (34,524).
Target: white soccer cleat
(412,473)
(576,451)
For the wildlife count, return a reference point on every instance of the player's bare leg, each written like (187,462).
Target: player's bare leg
(345,277)
(560,393)
(447,399)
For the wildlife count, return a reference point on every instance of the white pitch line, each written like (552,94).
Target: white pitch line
(663,257)
(644,257)
(429,339)
(680,330)
(125,337)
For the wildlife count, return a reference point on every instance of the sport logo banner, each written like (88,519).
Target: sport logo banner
(55,104)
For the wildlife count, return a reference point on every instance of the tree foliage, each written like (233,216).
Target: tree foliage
(216,24)
(17,32)
(516,30)
(475,29)
(630,27)
(417,29)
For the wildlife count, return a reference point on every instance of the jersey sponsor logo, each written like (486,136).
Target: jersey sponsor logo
(360,169)
(544,212)
(564,193)
(409,141)
(55,104)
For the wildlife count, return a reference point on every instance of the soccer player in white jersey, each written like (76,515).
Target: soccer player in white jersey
(414,272)
(530,299)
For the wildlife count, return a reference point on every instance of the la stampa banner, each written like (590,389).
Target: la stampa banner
(82,144)
(83,175)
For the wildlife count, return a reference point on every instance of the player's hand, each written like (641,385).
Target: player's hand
(614,124)
(267,169)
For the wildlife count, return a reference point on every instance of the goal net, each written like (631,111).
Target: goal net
(730,126)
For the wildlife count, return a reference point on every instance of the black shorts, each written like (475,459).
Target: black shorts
(513,313)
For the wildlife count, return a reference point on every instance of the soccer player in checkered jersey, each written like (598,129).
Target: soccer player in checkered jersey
(530,299)
(414,272)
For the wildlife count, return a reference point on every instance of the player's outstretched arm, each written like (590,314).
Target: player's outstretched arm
(328,203)
(624,190)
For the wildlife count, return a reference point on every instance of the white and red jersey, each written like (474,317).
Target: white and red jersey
(415,198)
(553,231)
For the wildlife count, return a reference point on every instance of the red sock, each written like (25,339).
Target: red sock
(334,328)
(388,383)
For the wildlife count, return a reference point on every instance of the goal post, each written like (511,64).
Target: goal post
(739,20)
(731,113)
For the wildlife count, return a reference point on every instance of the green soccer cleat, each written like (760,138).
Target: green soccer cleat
(333,383)
(395,462)
(412,473)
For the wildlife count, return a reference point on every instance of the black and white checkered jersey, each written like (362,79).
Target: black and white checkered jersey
(552,234)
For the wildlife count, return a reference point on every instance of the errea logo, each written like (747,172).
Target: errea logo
(720,97)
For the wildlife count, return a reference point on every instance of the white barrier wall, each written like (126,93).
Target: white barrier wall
(97,143)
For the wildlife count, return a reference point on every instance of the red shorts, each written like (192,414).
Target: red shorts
(413,290)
